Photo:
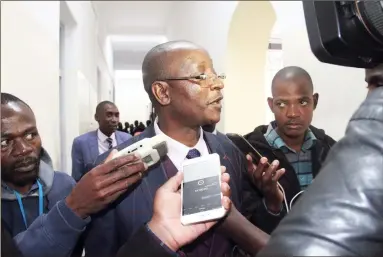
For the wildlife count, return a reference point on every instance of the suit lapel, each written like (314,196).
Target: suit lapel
(215,147)
(155,176)
(119,137)
(93,146)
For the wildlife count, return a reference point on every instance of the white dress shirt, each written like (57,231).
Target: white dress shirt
(177,151)
(103,145)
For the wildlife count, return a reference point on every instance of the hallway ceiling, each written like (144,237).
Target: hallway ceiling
(134,26)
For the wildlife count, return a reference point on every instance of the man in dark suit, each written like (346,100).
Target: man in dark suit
(186,93)
(87,147)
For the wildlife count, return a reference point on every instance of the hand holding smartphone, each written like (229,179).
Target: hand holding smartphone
(201,190)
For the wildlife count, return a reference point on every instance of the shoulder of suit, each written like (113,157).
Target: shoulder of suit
(124,134)
(227,143)
(85,136)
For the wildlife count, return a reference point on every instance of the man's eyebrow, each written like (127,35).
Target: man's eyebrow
(7,134)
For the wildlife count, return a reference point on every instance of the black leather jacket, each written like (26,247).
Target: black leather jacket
(341,213)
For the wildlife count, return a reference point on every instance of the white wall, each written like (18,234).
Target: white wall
(341,89)
(205,23)
(247,48)
(131,97)
(29,63)
(30,68)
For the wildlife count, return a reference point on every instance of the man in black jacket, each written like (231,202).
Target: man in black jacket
(341,213)
(290,143)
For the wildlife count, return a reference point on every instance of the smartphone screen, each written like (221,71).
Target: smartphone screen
(201,187)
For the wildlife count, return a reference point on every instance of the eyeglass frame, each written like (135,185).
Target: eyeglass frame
(202,77)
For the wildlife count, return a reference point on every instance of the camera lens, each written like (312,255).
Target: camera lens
(370,13)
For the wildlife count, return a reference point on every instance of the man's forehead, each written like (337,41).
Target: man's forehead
(16,109)
(189,56)
(299,86)
(110,108)
(16,117)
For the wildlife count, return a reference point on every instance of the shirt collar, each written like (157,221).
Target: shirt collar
(277,142)
(102,137)
(177,151)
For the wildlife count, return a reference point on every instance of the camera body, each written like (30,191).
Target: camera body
(346,33)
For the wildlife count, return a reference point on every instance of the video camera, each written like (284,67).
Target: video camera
(346,33)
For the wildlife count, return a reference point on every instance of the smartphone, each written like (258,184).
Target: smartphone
(245,147)
(201,190)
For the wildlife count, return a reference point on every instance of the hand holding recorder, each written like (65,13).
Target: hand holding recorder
(105,183)
(166,221)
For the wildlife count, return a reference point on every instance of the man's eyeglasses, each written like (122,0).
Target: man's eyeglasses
(207,78)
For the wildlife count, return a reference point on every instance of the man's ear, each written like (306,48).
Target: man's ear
(316,99)
(161,92)
(270,102)
(96,117)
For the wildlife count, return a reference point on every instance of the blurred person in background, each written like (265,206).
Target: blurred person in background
(87,147)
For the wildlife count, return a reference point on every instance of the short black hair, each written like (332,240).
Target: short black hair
(9,98)
(101,105)
(291,72)
(156,62)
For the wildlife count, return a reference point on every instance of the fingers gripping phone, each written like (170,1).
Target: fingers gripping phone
(201,190)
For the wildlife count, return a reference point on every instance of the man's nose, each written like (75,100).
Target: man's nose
(293,111)
(217,84)
(22,147)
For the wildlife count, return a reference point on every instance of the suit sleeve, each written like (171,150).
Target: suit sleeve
(145,243)
(53,234)
(102,235)
(77,160)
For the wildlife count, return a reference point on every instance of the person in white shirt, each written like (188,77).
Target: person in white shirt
(88,146)
(185,91)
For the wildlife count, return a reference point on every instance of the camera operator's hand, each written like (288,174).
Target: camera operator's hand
(104,184)
(166,220)
(265,178)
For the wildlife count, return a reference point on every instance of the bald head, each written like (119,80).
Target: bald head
(291,73)
(160,61)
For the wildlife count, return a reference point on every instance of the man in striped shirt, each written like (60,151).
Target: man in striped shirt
(289,144)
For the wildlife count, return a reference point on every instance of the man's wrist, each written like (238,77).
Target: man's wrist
(71,204)
(273,206)
(163,234)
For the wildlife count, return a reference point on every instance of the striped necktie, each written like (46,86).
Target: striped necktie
(110,142)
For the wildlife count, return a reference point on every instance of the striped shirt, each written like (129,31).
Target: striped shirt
(300,161)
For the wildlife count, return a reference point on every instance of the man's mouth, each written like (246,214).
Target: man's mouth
(294,126)
(216,101)
(26,167)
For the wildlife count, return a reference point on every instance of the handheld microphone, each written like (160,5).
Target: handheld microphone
(151,149)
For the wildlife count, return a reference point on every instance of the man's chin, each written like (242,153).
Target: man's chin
(23,179)
(213,120)
(294,133)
